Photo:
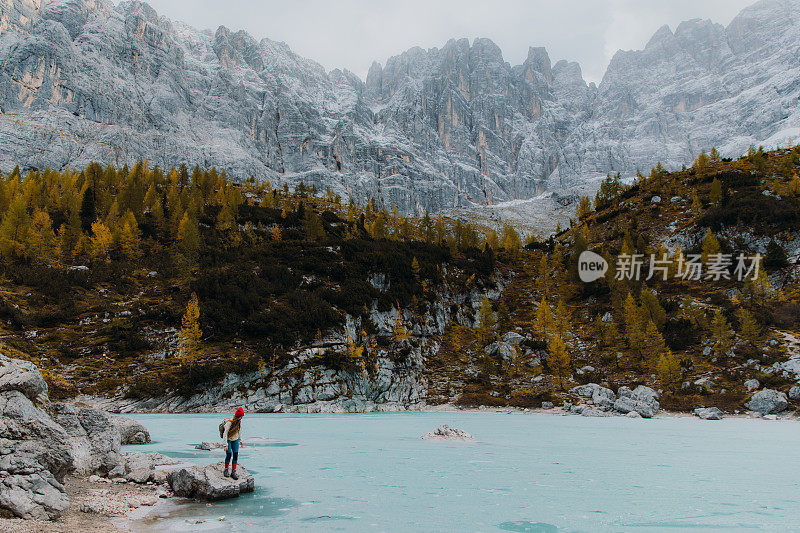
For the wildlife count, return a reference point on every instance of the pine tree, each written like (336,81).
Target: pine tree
(716,192)
(491,239)
(14,229)
(711,246)
(562,318)
(190,334)
(129,238)
(652,308)
(748,327)
(721,333)
(559,359)
(41,237)
(544,319)
(399,329)
(101,242)
(701,163)
(415,269)
(276,233)
(189,236)
(669,371)
(634,327)
(653,345)
(713,156)
(697,206)
(487,322)
(584,208)
(542,274)
(510,238)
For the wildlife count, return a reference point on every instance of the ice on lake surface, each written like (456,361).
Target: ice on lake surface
(526,472)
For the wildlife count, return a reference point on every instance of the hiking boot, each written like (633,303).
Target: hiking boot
(234,475)
(225,473)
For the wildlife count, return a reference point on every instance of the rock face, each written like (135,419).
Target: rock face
(85,80)
(34,450)
(708,413)
(95,440)
(445,432)
(208,483)
(767,401)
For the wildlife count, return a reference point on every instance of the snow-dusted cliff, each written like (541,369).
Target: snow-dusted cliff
(83,80)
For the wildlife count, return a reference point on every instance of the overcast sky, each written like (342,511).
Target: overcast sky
(353,33)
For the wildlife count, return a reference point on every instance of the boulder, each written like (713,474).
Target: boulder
(708,413)
(547,405)
(130,431)
(513,338)
(794,393)
(502,350)
(24,377)
(767,401)
(601,396)
(34,450)
(95,439)
(210,445)
(643,400)
(751,385)
(140,467)
(445,432)
(207,482)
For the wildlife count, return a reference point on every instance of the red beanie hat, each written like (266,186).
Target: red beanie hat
(239,413)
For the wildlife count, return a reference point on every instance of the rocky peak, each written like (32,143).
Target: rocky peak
(538,61)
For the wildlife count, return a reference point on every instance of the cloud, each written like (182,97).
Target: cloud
(353,33)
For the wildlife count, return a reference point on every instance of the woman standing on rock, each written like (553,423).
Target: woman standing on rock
(232,435)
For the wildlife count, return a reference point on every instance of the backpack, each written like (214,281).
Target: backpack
(222,429)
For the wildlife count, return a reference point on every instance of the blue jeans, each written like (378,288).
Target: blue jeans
(232,451)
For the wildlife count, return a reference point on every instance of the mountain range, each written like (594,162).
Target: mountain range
(449,127)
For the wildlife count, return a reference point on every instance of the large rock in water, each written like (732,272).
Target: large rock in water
(34,450)
(208,483)
(445,432)
(767,401)
(130,431)
(642,400)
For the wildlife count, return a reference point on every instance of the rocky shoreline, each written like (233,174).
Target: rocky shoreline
(62,467)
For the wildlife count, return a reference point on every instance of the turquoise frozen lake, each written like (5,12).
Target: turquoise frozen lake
(526,472)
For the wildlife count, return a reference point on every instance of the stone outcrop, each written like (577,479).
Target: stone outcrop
(34,450)
(455,126)
(41,442)
(445,432)
(207,482)
(642,400)
(767,401)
